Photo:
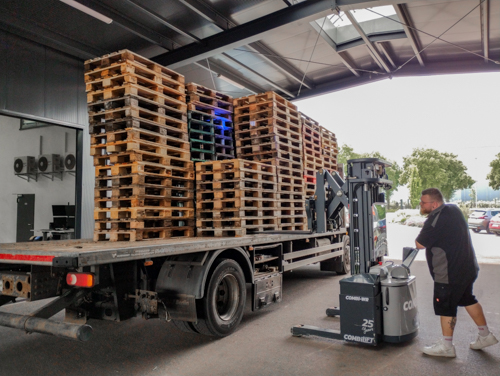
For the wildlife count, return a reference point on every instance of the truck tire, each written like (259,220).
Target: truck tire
(343,265)
(221,309)
(184,326)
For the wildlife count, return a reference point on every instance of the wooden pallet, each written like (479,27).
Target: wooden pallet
(177,102)
(267,114)
(210,110)
(143,167)
(193,88)
(264,106)
(235,164)
(250,193)
(147,180)
(174,90)
(240,203)
(232,231)
(211,102)
(142,156)
(143,234)
(144,213)
(180,132)
(246,222)
(138,146)
(143,201)
(199,116)
(237,184)
(268,126)
(143,190)
(135,102)
(131,224)
(129,56)
(264,97)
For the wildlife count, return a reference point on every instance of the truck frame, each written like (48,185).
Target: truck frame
(198,283)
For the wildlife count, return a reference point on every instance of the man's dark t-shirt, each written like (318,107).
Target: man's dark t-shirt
(449,252)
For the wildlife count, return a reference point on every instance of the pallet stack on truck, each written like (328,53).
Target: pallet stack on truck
(145,190)
(235,198)
(210,114)
(144,173)
(268,130)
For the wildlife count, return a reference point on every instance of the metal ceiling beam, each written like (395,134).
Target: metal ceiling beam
(160,19)
(207,12)
(273,84)
(194,38)
(371,49)
(219,69)
(280,63)
(13,23)
(131,26)
(362,4)
(270,56)
(386,53)
(242,34)
(349,64)
(485,29)
(454,66)
(404,17)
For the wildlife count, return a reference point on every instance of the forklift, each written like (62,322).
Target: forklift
(378,302)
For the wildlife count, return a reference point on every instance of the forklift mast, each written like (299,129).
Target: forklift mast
(365,178)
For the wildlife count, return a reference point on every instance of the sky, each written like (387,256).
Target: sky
(458,114)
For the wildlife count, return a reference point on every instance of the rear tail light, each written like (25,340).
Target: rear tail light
(483,217)
(80,279)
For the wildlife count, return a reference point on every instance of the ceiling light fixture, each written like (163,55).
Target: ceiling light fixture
(87,10)
(229,81)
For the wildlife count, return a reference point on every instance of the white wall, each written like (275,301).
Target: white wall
(16,143)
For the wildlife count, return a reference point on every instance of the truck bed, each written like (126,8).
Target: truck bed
(80,253)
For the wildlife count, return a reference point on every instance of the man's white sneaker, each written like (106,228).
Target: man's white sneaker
(439,349)
(482,342)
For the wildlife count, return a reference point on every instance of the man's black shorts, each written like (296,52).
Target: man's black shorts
(447,298)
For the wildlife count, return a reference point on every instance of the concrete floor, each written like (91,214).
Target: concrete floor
(263,344)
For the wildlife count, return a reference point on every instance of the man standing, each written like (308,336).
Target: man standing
(453,267)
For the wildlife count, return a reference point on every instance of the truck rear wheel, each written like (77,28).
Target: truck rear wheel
(343,265)
(221,309)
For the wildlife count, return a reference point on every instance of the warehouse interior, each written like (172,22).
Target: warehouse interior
(297,49)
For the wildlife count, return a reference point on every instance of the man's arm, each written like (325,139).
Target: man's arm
(418,245)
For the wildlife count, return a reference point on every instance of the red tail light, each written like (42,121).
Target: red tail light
(80,279)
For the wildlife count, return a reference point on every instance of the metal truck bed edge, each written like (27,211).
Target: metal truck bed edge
(87,252)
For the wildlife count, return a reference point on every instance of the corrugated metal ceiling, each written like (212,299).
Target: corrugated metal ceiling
(297,48)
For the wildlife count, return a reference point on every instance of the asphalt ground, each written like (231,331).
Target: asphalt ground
(263,344)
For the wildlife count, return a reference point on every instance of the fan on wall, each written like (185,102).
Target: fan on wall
(49,163)
(24,165)
(69,162)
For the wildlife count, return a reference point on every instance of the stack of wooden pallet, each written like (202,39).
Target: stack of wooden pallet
(144,175)
(313,160)
(235,197)
(329,149)
(210,124)
(268,130)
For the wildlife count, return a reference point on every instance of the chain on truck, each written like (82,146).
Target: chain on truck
(197,283)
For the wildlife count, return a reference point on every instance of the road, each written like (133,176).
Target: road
(487,246)
(263,345)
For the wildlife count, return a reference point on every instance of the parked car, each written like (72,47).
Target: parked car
(494,225)
(479,219)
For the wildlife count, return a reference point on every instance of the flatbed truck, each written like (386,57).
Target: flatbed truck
(197,283)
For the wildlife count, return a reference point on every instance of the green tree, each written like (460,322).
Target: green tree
(494,175)
(415,187)
(436,169)
(347,152)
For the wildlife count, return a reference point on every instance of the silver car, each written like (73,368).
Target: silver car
(479,219)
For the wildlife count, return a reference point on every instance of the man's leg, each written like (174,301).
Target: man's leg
(475,311)
(448,325)
(484,338)
(445,346)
